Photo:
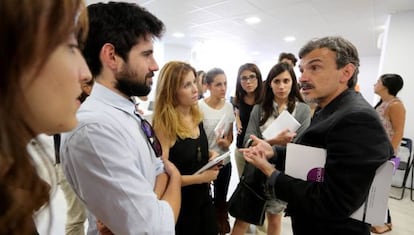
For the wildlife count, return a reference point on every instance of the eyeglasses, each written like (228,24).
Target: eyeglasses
(251,78)
(149,132)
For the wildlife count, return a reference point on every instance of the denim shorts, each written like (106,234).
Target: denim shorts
(275,206)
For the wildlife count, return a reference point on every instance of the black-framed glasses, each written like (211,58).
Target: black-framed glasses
(251,78)
(148,131)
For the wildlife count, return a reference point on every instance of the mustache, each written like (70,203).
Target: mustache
(305,85)
(149,75)
(82,97)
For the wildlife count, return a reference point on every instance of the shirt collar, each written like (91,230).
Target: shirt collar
(111,98)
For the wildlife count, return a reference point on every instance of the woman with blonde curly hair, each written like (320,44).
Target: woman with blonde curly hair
(178,125)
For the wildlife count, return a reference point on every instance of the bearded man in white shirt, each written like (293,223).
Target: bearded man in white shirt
(112,159)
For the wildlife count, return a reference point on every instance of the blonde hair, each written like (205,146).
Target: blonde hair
(166,119)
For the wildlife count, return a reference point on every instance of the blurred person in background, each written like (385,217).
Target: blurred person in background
(288,58)
(392,114)
(201,83)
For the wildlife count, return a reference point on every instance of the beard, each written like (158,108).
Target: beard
(83,96)
(307,98)
(128,82)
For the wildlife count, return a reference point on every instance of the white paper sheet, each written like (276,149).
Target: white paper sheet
(307,163)
(284,121)
(213,162)
(222,127)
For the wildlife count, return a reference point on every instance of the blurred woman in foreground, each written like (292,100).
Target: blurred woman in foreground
(42,68)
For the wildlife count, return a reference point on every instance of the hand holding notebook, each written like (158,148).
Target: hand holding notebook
(284,121)
(222,127)
(213,162)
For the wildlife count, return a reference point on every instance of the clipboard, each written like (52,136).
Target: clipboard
(213,162)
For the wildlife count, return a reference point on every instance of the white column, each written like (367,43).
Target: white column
(397,57)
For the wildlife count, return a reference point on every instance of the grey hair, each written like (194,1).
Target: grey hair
(345,51)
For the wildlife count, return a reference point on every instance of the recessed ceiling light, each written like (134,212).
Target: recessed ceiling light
(289,39)
(178,35)
(252,20)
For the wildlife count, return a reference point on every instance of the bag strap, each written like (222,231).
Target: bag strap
(250,189)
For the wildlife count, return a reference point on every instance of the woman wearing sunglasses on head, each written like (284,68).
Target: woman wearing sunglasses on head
(178,123)
(42,68)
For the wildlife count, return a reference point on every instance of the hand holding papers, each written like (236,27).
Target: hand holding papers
(284,121)
(310,167)
(213,162)
(307,166)
(222,127)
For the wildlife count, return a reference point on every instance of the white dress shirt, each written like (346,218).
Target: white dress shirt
(112,167)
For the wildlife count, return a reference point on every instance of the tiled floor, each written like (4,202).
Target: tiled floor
(402,214)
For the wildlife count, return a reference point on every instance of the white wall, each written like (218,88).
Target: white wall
(368,75)
(164,53)
(176,52)
(396,58)
(396,55)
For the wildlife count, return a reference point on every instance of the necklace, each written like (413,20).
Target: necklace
(199,149)
(198,153)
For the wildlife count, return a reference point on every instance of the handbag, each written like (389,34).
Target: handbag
(246,204)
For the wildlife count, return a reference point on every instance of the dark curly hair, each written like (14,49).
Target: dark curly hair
(345,52)
(289,56)
(121,24)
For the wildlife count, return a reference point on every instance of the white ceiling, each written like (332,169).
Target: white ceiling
(360,21)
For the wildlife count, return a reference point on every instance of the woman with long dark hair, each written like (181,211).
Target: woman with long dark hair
(42,68)
(281,93)
(248,93)
(392,114)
